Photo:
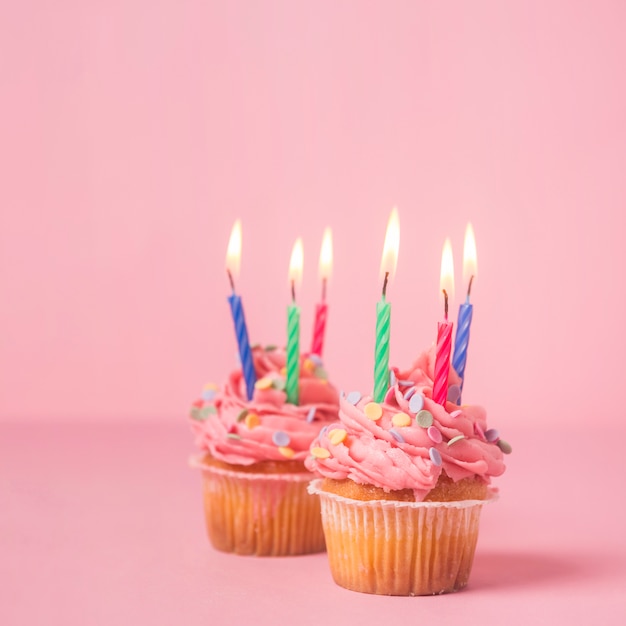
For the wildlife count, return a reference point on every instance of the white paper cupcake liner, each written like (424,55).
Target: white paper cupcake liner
(399,548)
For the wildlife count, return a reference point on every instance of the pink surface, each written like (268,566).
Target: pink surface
(103,524)
(133,133)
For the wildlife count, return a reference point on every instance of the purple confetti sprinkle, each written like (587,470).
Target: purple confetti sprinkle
(353,397)
(492,435)
(316,359)
(406,383)
(310,416)
(409,393)
(454,393)
(393,379)
(281,438)
(435,457)
(208,395)
(396,435)
(416,403)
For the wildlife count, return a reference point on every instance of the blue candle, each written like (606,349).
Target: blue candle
(233,257)
(459,361)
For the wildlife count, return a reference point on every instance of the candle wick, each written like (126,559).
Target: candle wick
(230,280)
(324,289)
(445,305)
(469,287)
(385,284)
(293,290)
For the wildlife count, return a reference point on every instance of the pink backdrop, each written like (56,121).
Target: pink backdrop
(134,133)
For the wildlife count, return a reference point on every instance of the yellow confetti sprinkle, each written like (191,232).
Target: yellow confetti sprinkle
(263,383)
(287,452)
(337,435)
(252,420)
(210,387)
(401,419)
(320,453)
(373,411)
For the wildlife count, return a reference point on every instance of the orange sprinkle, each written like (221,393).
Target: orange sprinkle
(283,371)
(337,435)
(320,453)
(252,420)
(308,366)
(263,383)
(285,451)
(401,419)
(373,411)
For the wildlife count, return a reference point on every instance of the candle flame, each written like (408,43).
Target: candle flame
(392,245)
(326,255)
(233,253)
(296,264)
(446,282)
(470,259)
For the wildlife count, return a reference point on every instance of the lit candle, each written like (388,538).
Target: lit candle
(293,325)
(321,310)
(444,329)
(383,308)
(233,259)
(470,268)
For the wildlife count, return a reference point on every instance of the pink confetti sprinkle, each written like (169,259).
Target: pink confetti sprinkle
(435,434)
(479,431)
(456,413)
(390,395)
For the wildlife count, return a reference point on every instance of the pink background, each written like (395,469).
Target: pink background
(134,133)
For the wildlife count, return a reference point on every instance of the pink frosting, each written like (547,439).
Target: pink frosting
(282,431)
(370,454)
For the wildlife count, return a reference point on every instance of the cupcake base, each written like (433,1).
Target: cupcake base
(399,548)
(261,514)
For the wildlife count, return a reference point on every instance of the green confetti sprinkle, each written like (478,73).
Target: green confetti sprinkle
(194,413)
(233,436)
(455,439)
(424,418)
(279,383)
(271,348)
(206,411)
(320,372)
(504,446)
(242,415)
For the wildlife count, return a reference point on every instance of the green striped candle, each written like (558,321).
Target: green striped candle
(293,326)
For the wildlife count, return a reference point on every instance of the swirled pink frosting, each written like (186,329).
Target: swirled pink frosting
(266,428)
(394,457)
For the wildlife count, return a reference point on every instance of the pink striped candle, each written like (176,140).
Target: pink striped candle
(444,329)
(321,309)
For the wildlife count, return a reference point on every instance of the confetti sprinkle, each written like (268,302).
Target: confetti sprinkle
(393,379)
(455,439)
(242,415)
(479,431)
(320,453)
(504,446)
(316,359)
(434,434)
(454,394)
(396,435)
(233,436)
(263,383)
(492,435)
(308,366)
(210,387)
(195,413)
(281,438)
(279,384)
(353,397)
(435,457)
(456,413)
(271,348)
(310,416)
(286,452)
(406,383)
(401,419)
(337,436)
(416,403)
(208,395)
(320,372)
(373,411)
(424,418)
(206,411)
(409,393)
(252,420)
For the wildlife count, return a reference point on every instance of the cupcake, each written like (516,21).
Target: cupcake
(402,486)
(252,458)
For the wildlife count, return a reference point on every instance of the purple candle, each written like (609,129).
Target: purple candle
(233,257)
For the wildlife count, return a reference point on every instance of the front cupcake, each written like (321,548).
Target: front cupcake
(403,483)
(252,459)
